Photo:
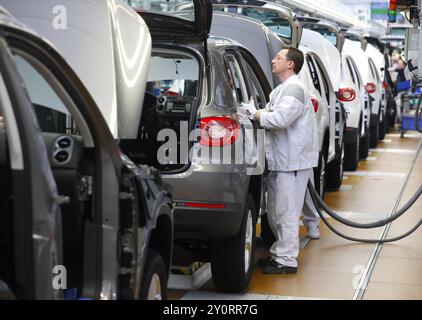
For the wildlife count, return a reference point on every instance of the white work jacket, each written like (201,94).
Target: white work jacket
(291,141)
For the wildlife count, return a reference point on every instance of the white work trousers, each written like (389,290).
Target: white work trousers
(286,200)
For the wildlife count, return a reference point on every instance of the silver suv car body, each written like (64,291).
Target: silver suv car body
(195,85)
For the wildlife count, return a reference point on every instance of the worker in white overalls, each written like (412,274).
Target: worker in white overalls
(291,148)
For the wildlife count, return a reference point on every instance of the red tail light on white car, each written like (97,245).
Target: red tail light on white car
(370,87)
(347,94)
(219,131)
(315,104)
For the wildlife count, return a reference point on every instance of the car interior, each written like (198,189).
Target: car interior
(170,99)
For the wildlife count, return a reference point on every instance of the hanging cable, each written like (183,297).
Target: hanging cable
(320,203)
(314,196)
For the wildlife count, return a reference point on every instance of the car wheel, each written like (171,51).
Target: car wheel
(232,259)
(267,234)
(373,137)
(154,283)
(320,175)
(335,171)
(364,146)
(382,129)
(352,154)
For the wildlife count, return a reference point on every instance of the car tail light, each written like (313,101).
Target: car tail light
(315,104)
(385,85)
(370,87)
(347,94)
(219,131)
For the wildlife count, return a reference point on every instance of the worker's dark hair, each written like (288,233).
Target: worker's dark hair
(295,55)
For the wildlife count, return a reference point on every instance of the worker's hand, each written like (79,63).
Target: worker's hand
(250,109)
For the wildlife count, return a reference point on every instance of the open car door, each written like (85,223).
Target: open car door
(30,216)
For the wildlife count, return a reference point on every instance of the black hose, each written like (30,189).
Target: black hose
(314,196)
(370,225)
(318,202)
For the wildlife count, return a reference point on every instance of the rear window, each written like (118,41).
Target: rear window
(168,7)
(270,18)
(173,75)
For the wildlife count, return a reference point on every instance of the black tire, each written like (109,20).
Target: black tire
(230,270)
(267,234)
(382,130)
(335,171)
(373,137)
(364,146)
(154,267)
(392,109)
(320,174)
(352,154)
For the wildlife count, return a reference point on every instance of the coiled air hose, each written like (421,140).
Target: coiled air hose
(318,202)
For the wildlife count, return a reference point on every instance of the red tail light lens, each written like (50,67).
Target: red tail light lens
(370,87)
(219,131)
(347,94)
(315,104)
(204,205)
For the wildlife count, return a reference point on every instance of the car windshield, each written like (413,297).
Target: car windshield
(270,18)
(167,7)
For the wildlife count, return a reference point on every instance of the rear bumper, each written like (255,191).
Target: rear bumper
(209,185)
(206,224)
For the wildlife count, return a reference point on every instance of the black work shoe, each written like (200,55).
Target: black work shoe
(277,268)
(264,261)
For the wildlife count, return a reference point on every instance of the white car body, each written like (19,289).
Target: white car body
(379,61)
(323,112)
(331,62)
(369,76)
(356,111)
